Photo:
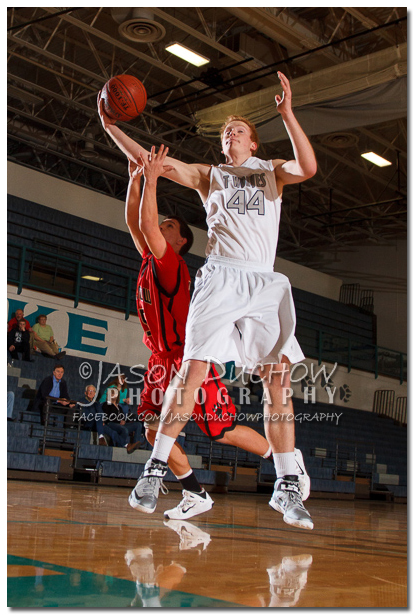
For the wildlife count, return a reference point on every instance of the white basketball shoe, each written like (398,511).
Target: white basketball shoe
(286,499)
(303,477)
(191,505)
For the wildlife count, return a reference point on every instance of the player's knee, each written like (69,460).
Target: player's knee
(226,439)
(277,376)
(150,435)
(195,371)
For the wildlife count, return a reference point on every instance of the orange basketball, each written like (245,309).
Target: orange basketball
(124,97)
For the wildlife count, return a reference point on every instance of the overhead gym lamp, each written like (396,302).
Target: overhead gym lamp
(187,54)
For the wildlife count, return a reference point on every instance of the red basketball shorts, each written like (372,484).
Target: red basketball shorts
(214,411)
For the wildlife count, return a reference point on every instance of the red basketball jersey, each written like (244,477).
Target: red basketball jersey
(163,314)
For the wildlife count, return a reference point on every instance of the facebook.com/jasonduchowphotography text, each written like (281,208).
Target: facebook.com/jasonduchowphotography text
(251,389)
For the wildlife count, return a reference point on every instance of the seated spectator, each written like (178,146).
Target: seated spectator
(14,323)
(18,340)
(115,404)
(52,388)
(94,420)
(44,339)
(117,384)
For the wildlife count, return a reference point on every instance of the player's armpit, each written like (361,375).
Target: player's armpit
(289,172)
(194,176)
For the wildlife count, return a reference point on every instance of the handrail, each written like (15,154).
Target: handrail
(319,352)
(77,295)
(353,446)
(352,346)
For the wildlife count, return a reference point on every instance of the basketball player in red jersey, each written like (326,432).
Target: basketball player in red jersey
(163,299)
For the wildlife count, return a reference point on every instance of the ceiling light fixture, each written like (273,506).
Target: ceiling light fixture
(93,278)
(375,159)
(187,54)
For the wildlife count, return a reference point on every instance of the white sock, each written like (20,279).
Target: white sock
(162,447)
(267,454)
(285,464)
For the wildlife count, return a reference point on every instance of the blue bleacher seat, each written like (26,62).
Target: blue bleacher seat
(21,461)
(16,444)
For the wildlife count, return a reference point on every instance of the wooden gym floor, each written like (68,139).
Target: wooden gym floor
(83,546)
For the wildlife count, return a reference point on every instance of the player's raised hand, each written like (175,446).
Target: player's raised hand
(284,101)
(105,119)
(135,171)
(153,163)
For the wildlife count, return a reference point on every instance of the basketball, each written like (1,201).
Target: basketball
(124,97)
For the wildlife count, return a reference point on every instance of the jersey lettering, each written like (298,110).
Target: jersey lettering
(144,294)
(238,182)
(260,180)
(257,202)
(237,201)
(255,180)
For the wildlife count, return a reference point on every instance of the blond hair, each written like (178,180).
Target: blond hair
(239,118)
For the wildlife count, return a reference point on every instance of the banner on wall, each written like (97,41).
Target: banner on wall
(104,335)
(86,331)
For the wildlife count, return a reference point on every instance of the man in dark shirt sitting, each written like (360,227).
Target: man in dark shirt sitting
(55,387)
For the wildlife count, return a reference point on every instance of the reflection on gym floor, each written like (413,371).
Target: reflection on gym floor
(81,546)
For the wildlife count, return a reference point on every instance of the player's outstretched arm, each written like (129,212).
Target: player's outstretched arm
(194,176)
(304,164)
(132,206)
(154,165)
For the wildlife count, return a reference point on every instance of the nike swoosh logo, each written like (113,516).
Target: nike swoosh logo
(300,468)
(189,508)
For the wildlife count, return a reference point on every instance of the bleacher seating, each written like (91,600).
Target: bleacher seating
(362,445)
(316,312)
(98,244)
(26,434)
(29,224)
(113,249)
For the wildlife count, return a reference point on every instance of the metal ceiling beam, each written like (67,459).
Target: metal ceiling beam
(279,29)
(373,135)
(54,58)
(77,68)
(203,38)
(354,166)
(127,48)
(88,110)
(369,23)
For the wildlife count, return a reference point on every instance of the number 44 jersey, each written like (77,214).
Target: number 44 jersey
(243,212)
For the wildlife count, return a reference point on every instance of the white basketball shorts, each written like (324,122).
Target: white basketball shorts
(240,314)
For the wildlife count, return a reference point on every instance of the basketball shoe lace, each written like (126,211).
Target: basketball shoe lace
(152,485)
(144,496)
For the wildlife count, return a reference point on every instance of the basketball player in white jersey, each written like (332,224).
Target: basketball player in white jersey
(241,309)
